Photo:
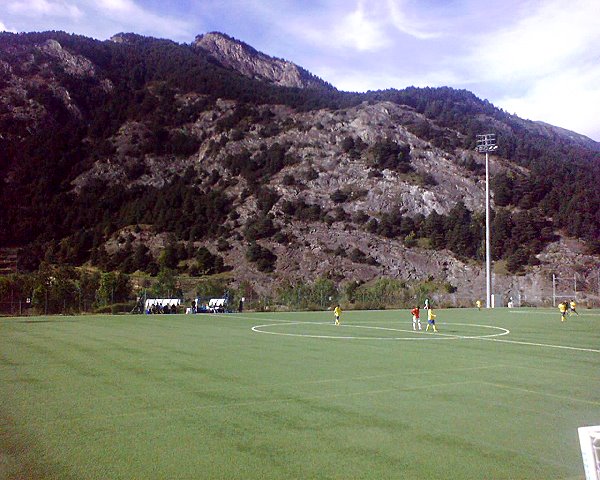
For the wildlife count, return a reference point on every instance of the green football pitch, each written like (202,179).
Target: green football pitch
(496,394)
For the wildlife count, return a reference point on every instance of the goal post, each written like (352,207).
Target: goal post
(563,288)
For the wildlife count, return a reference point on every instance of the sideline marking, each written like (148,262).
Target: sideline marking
(532,312)
(533,344)
(424,335)
(544,394)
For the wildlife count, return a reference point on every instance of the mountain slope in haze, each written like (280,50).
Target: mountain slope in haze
(141,154)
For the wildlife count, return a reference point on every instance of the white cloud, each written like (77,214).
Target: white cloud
(360,32)
(336,27)
(567,100)
(341,29)
(4,28)
(362,27)
(548,36)
(96,18)
(408,24)
(37,8)
(124,7)
(542,66)
(351,81)
(127,15)
(362,80)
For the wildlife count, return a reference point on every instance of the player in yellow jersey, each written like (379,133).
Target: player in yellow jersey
(430,320)
(562,308)
(337,311)
(573,308)
(478,304)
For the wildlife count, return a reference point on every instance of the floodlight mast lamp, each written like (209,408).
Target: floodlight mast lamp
(487,144)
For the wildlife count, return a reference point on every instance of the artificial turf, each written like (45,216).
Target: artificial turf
(207,397)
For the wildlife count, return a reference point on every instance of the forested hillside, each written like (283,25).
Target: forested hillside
(108,145)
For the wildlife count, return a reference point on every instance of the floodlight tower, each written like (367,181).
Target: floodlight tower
(487,144)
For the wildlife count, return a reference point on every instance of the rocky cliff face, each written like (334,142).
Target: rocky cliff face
(26,81)
(315,139)
(323,167)
(246,60)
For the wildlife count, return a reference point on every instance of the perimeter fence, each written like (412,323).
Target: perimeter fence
(323,294)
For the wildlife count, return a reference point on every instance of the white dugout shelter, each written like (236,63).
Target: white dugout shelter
(215,305)
(150,302)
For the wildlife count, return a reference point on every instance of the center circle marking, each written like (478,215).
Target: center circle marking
(425,336)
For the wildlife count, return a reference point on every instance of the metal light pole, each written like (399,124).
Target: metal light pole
(486,144)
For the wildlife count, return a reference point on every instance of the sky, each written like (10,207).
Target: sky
(538,59)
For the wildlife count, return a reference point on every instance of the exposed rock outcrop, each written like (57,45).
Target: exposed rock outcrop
(239,56)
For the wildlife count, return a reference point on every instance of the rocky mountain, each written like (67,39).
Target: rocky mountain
(241,57)
(140,154)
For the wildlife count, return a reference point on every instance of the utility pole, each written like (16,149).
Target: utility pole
(486,144)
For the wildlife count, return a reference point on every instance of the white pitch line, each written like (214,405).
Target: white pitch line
(422,335)
(244,317)
(543,394)
(533,344)
(516,342)
(582,314)
(257,329)
(553,372)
